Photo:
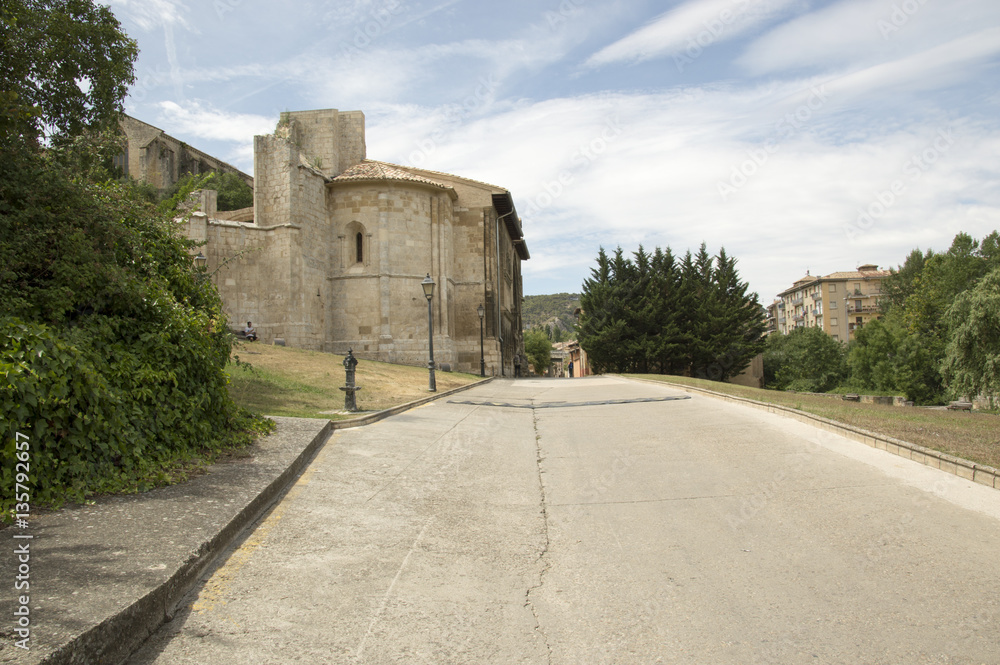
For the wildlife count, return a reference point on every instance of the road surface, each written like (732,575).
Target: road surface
(601,521)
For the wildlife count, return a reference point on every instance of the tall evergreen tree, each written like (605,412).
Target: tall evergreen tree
(649,313)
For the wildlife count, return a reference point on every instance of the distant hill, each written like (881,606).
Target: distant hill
(552,310)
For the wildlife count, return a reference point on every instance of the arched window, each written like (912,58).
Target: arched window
(359,248)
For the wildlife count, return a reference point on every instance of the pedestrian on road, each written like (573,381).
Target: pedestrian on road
(517,365)
(571,369)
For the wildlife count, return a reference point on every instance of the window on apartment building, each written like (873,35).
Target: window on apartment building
(833,322)
(359,247)
(833,288)
(857,305)
(833,304)
(836,338)
(857,287)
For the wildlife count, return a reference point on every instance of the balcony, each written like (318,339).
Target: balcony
(864,309)
(797,300)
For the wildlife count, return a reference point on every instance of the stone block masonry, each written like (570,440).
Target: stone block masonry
(332,255)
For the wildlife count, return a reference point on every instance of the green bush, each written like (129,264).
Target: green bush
(806,360)
(112,346)
(234,193)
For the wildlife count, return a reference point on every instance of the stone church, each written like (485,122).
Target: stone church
(334,250)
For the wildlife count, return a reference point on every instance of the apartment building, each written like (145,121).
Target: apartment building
(839,303)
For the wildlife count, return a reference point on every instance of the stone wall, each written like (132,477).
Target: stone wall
(251,266)
(336,264)
(159,159)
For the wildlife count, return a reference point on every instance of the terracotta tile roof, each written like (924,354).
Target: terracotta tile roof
(370,170)
(858,274)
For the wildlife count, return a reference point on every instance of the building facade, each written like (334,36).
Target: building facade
(333,254)
(838,303)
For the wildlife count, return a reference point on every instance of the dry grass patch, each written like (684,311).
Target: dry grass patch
(282,381)
(968,435)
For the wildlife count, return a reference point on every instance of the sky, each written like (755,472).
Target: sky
(800,135)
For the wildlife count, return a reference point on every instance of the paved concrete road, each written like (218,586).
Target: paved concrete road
(682,531)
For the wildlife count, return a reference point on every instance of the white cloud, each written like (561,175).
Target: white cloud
(931,69)
(853,33)
(694,25)
(152,14)
(196,119)
(657,181)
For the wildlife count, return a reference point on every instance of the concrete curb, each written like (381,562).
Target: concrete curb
(978,473)
(380,415)
(118,636)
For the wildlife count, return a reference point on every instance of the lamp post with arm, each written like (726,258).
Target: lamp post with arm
(428,286)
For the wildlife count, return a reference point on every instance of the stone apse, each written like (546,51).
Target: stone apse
(338,244)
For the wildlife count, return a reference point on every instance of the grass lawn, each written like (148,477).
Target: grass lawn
(283,381)
(970,435)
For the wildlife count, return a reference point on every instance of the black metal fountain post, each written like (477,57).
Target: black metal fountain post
(350,399)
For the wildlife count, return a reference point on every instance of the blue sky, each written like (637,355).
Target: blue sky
(798,134)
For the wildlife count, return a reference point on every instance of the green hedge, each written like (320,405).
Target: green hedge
(113,347)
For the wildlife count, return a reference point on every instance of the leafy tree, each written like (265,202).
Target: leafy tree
(885,357)
(972,358)
(805,359)
(539,350)
(112,346)
(65,66)
(906,351)
(233,192)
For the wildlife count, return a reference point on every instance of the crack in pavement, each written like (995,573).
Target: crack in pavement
(565,405)
(543,559)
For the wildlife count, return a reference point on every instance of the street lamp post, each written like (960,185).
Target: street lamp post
(428,286)
(200,261)
(482,357)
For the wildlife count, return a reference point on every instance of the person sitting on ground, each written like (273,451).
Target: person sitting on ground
(250,333)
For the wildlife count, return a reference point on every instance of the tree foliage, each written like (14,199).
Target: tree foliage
(972,358)
(65,67)
(234,193)
(538,349)
(653,313)
(805,359)
(906,351)
(112,347)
